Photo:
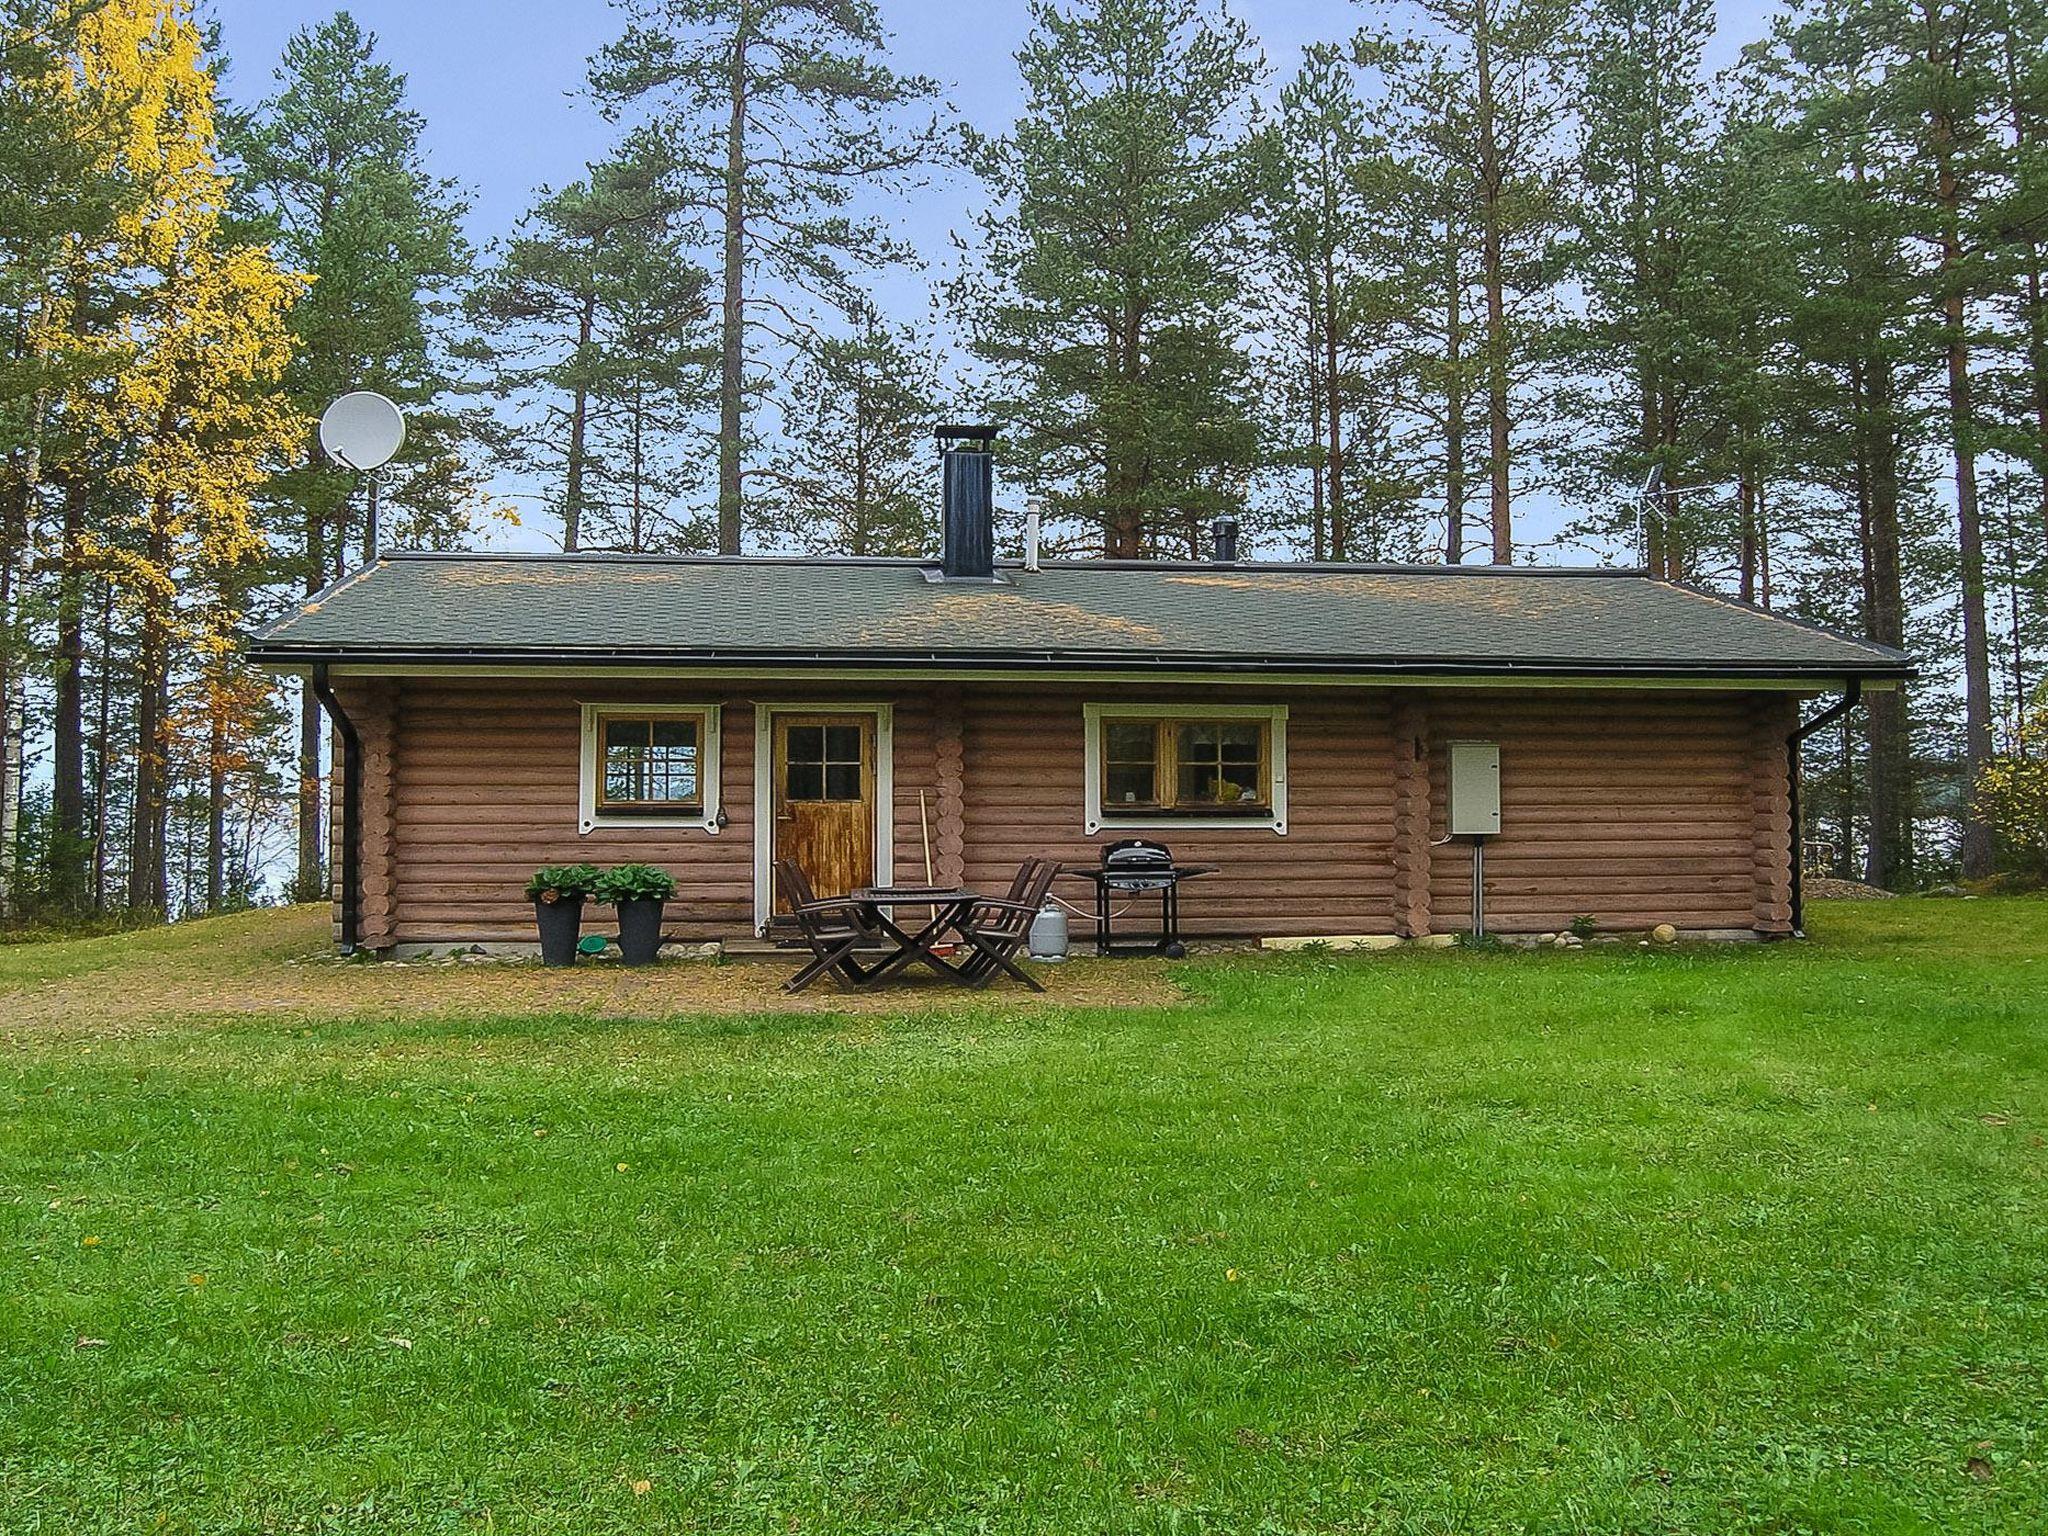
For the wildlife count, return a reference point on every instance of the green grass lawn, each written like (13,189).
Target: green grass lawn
(1749,1238)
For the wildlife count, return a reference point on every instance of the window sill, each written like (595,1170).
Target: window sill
(1139,820)
(678,821)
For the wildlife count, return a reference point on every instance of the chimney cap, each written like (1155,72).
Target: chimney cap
(950,433)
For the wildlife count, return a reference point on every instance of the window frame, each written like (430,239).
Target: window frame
(592,814)
(1099,817)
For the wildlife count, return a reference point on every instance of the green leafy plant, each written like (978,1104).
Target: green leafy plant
(1583,925)
(562,882)
(633,882)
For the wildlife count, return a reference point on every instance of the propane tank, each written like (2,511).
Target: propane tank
(1049,934)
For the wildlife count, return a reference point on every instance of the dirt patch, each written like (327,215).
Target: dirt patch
(199,984)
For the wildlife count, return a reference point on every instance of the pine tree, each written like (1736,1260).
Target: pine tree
(1928,101)
(856,478)
(59,198)
(768,116)
(333,170)
(594,318)
(1342,285)
(1108,275)
(1497,69)
(1641,229)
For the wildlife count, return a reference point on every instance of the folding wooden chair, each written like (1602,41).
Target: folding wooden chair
(996,929)
(833,929)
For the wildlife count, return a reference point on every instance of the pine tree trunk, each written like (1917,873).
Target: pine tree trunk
(147,875)
(1319,502)
(307,883)
(1494,279)
(1746,498)
(70,847)
(1454,401)
(575,462)
(1887,725)
(13,531)
(216,812)
(102,752)
(732,308)
(1977,844)
(1333,411)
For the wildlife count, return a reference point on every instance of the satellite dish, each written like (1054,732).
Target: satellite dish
(361,431)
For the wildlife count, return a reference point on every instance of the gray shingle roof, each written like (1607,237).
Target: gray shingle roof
(428,608)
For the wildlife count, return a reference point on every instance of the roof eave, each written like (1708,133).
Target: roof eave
(996,662)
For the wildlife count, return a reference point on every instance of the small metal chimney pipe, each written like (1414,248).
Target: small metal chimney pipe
(970,521)
(1223,541)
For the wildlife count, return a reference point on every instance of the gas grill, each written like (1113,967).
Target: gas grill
(1131,868)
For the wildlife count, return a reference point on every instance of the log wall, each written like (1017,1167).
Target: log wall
(1630,808)
(1635,808)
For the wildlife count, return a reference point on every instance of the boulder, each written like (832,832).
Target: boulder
(1664,933)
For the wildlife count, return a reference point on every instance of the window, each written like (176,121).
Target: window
(823,762)
(1175,766)
(649,765)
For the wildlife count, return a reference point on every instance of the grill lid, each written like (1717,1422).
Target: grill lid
(1137,854)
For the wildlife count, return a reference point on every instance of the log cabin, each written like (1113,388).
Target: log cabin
(1345,743)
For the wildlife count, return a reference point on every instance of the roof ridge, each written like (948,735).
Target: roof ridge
(918,562)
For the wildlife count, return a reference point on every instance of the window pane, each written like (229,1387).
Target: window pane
(1206,784)
(807,744)
(675,733)
(1128,786)
(1130,743)
(842,743)
(842,781)
(650,762)
(804,781)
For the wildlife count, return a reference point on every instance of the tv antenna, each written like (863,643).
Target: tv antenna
(363,431)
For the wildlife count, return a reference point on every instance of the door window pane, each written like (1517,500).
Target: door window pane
(824,762)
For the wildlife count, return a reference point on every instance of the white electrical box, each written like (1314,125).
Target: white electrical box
(1474,788)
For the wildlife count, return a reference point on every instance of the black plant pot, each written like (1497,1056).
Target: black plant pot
(560,923)
(640,931)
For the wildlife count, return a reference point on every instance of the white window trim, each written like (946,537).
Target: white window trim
(590,819)
(1097,820)
(764,793)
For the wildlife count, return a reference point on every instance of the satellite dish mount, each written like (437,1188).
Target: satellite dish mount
(363,431)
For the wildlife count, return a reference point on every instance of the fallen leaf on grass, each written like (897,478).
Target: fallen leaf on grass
(84,1343)
(1978,1468)
(1996,1119)
(641,1487)
(399,1343)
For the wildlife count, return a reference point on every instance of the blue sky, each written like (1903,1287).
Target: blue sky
(497,78)
(497,81)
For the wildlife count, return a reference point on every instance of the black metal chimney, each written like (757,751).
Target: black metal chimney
(1223,540)
(970,531)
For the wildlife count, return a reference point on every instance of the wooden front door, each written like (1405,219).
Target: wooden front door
(824,772)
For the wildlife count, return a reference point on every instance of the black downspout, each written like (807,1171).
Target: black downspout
(1848,701)
(351,810)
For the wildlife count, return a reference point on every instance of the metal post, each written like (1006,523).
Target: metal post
(1478,887)
(370,524)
